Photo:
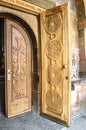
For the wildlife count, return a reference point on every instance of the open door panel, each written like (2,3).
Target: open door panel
(56,64)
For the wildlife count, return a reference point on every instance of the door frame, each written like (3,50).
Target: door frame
(22,6)
(30,33)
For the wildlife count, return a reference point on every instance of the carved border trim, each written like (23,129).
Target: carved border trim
(22,5)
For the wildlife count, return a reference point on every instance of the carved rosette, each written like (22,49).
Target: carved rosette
(53,23)
(54,75)
(54,101)
(53,49)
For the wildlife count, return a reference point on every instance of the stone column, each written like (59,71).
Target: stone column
(82,45)
(85,6)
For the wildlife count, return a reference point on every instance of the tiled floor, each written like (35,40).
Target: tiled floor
(33,121)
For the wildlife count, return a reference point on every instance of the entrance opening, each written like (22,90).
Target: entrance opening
(2,63)
(2,68)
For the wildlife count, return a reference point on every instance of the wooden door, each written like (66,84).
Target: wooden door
(56,64)
(18,69)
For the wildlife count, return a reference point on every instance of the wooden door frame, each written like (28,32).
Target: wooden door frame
(30,33)
(22,6)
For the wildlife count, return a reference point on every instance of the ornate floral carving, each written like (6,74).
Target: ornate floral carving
(54,75)
(54,101)
(53,23)
(53,49)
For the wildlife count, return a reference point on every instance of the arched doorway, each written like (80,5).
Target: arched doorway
(17,65)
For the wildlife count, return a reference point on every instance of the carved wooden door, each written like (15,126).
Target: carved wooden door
(56,65)
(18,69)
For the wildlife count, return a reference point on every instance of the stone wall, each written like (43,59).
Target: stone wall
(79,98)
(46,4)
(79,91)
(75,46)
(81,14)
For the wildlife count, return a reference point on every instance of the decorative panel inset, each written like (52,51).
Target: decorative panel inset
(54,101)
(53,49)
(53,25)
(54,74)
(19,64)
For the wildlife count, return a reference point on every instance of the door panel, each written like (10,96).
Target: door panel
(56,65)
(18,69)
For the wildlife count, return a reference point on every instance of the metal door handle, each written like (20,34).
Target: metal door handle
(67,77)
(9,72)
(64,66)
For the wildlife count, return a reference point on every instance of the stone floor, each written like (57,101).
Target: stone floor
(33,121)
